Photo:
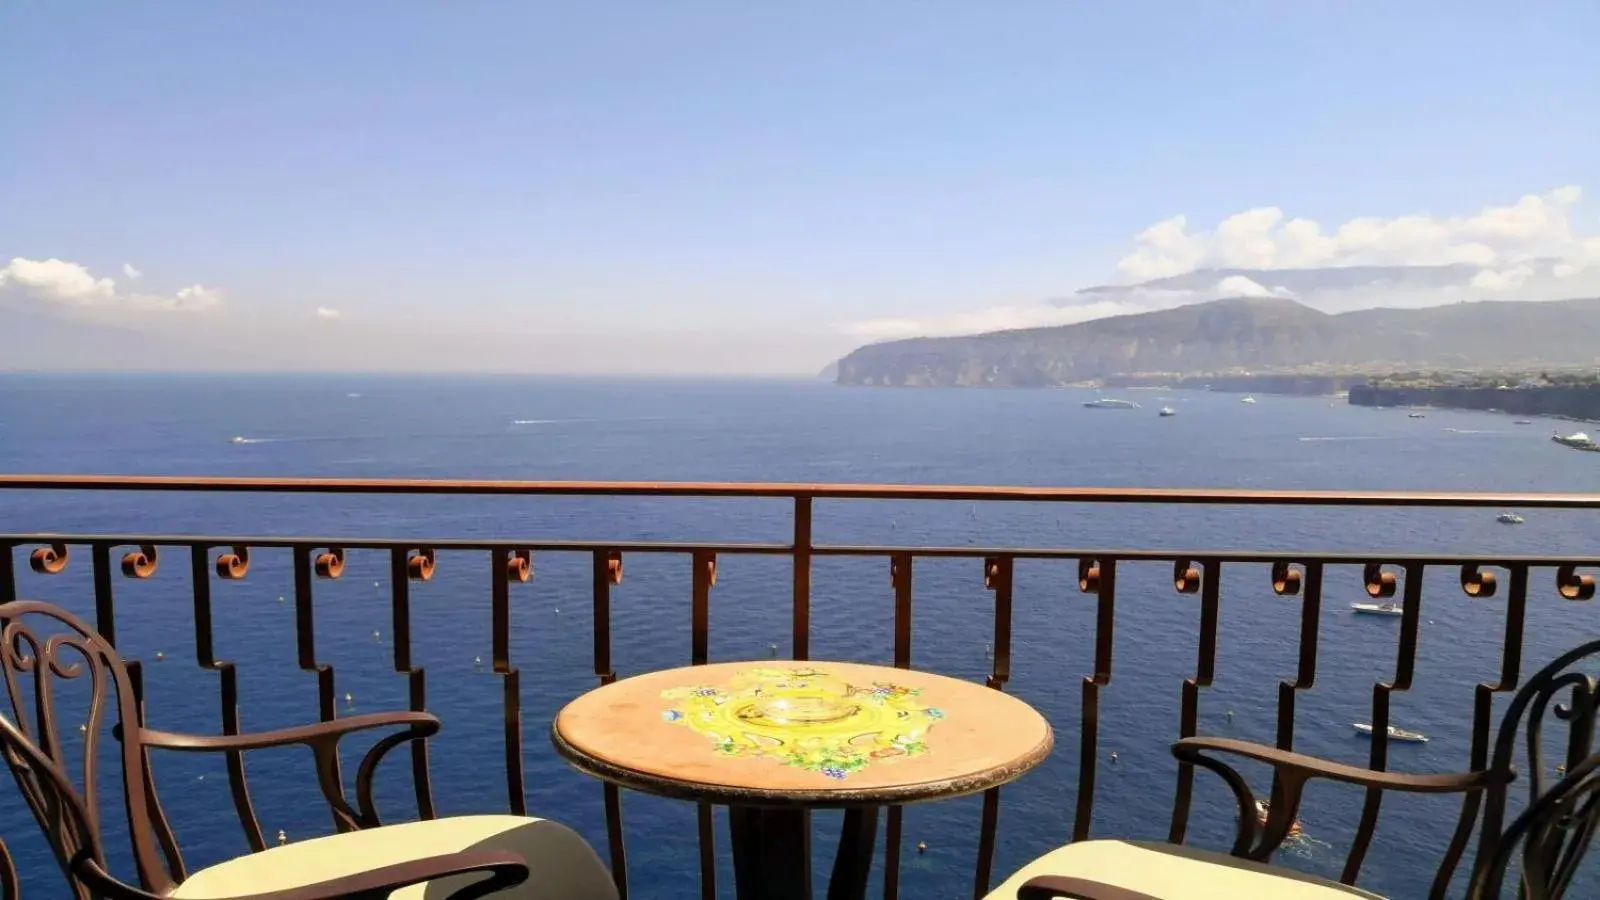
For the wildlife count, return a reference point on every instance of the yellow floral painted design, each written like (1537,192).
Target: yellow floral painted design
(806,717)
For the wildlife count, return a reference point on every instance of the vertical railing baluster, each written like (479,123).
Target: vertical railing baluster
(1098,577)
(1210,586)
(607,572)
(802,577)
(229,566)
(329,564)
(137,564)
(106,625)
(900,572)
(1405,666)
(1287,583)
(105,613)
(504,564)
(8,573)
(997,577)
(800,637)
(10,886)
(702,581)
(403,568)
(1482,585)
(704,577)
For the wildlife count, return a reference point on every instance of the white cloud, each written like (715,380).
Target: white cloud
(1499,237)
(996,318)
(324,312)
(57,281)
(1530,250)
(68,283)
(1496,280)
(1240,286)
(1165,248)
(197,297)
(1044,315)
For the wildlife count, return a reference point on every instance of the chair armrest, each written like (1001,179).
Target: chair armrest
(505,869)
(322,738)
(1291,772)
(1290,762)
(1053,887)
(308,735)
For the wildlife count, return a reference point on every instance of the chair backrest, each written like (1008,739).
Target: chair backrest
(42,646)
(1551,835)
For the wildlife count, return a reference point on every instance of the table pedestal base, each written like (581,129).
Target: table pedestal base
(772,853)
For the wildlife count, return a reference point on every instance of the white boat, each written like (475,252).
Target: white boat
(1395,734)
(237,439)
(1247,400)
(1106,403)
(1264,809)
(1379,609)
(1416,415)
(1509,518)
(1523,422)
(1167,412)
(1577,439)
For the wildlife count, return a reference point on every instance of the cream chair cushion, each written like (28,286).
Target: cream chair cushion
(561,864)
(1173,872)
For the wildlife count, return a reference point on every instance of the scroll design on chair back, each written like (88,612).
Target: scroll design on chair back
(1552,834)
(35,664)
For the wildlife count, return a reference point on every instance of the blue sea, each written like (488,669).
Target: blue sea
(547,428)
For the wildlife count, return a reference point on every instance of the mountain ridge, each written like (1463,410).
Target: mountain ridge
(1238,333)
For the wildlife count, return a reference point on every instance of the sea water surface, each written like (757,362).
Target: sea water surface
(544,428)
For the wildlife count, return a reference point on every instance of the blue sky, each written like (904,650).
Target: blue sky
(739,187)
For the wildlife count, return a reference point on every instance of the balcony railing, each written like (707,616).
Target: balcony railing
(1301,576)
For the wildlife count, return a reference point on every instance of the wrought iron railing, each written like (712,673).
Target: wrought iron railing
(1294,574)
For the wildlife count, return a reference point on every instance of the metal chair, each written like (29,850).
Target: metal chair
(459,858)
(1548,839)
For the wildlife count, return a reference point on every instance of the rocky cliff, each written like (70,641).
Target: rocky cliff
(1569,401)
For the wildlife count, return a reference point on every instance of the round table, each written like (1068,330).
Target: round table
(773,740)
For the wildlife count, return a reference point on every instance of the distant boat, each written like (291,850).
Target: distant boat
(1264,809)
(1247,400)
(1417,416)
(237,439)
(1523,422)
(1395,734)
(1105,403)
(1509,518)
(1167,412)
(1378,609)
(1577,440)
